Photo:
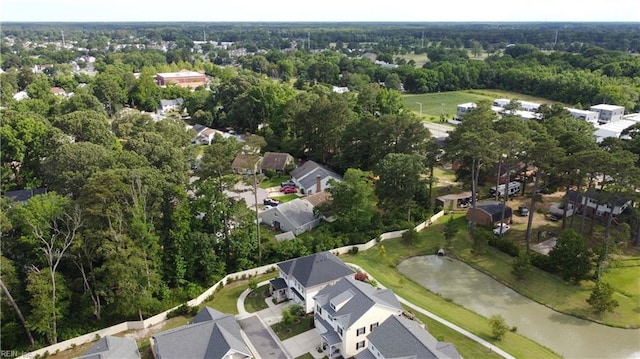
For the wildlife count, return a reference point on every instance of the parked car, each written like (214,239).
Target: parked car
(505,229)
(270,202)
(555,217)
(288,190)
(287,184)
(523,211)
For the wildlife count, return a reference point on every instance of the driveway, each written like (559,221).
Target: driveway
(241,190)
(306,342)
(261,338)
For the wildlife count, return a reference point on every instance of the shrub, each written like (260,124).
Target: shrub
(498,326)
(504,245)
(354,250)
(270,173)
(253,284)
(361,276)
(184,309)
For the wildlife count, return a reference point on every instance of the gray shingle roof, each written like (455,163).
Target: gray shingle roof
(275,161)
(360,298)
(494,209)
(211,339)
(173,102)
(316,269)
(111,347)
(207,314)
(307,173)
(399,337)
(23,195)
(298,212)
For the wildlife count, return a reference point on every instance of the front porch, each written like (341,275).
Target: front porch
(330,341)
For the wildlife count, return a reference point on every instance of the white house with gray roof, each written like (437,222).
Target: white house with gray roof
(296,216)
(300,279)
(211,335)
(111,347)
(399,337)
(312,177)
(346,312)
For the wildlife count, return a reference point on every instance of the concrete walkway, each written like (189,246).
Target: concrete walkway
(464,332)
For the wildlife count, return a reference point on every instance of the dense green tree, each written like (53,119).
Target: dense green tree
(86,126)
(601,298)
(352,201)
(400,177)
(107,89)
(571,256)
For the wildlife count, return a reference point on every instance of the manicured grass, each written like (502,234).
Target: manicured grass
(305,356)
(144,344)
(433,104)
(466,347)
(226,299)
(383,269)
(299,326)
(274,182)
(255,300)
(625,279)
(286,197)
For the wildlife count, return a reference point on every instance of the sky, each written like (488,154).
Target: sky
(320,11)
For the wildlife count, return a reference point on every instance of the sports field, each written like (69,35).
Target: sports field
(433,104)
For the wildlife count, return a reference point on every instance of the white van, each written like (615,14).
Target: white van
(514,188)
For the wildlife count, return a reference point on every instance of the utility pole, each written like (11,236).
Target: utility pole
(255,197)
(420,108)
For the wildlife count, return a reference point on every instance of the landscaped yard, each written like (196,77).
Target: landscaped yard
(286,197)
(274,181)
(299,326)
(226,299)
(433,104)
(255,300)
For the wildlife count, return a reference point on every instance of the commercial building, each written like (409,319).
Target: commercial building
(608,113)
(183,78)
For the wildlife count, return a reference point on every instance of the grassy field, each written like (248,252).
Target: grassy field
(382,268)
(433,104)
(286,197)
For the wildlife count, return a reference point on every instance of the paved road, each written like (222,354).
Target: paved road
(261,338)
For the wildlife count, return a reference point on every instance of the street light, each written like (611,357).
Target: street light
(420,108)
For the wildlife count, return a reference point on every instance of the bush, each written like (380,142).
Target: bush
(504,245)
(361,276)
(354,250)
(270,173)
(184,309)
(541,261)
(498,326)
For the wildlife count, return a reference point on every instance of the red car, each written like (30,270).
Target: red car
(288,190)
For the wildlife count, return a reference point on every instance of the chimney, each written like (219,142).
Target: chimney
(318,184)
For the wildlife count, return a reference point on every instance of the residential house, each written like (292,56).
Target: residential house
(211,335)
(111,347)
(297,216)
(597,202)
(276,161)
(489,213)
(399,337)
(301,279)
(244,164)
(205,135)
(58,91)
(170,105)
(23,195)
(345,312)
(312,177)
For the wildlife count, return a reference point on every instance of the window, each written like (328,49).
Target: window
(360,331)
(340,330)
(374,325)
(332,306)
(319,309)
(360,345)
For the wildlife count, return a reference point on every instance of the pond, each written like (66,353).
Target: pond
(569,336)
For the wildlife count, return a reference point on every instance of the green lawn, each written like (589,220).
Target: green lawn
(433,104)
(226,299)
(274,182)
(305,356)
(286,197)
(255,300)
(383,269)
(299,326)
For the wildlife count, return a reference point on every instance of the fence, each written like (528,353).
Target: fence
(159,318)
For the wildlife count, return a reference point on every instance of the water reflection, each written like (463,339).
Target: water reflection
(569,336)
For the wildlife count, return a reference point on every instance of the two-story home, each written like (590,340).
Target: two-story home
(598,203)
(211,334)
(300,279)
(347,311)
(399,337)
(312,177)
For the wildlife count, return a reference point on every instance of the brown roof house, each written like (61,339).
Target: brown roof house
(489,213)
(243,164)
(277,161)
